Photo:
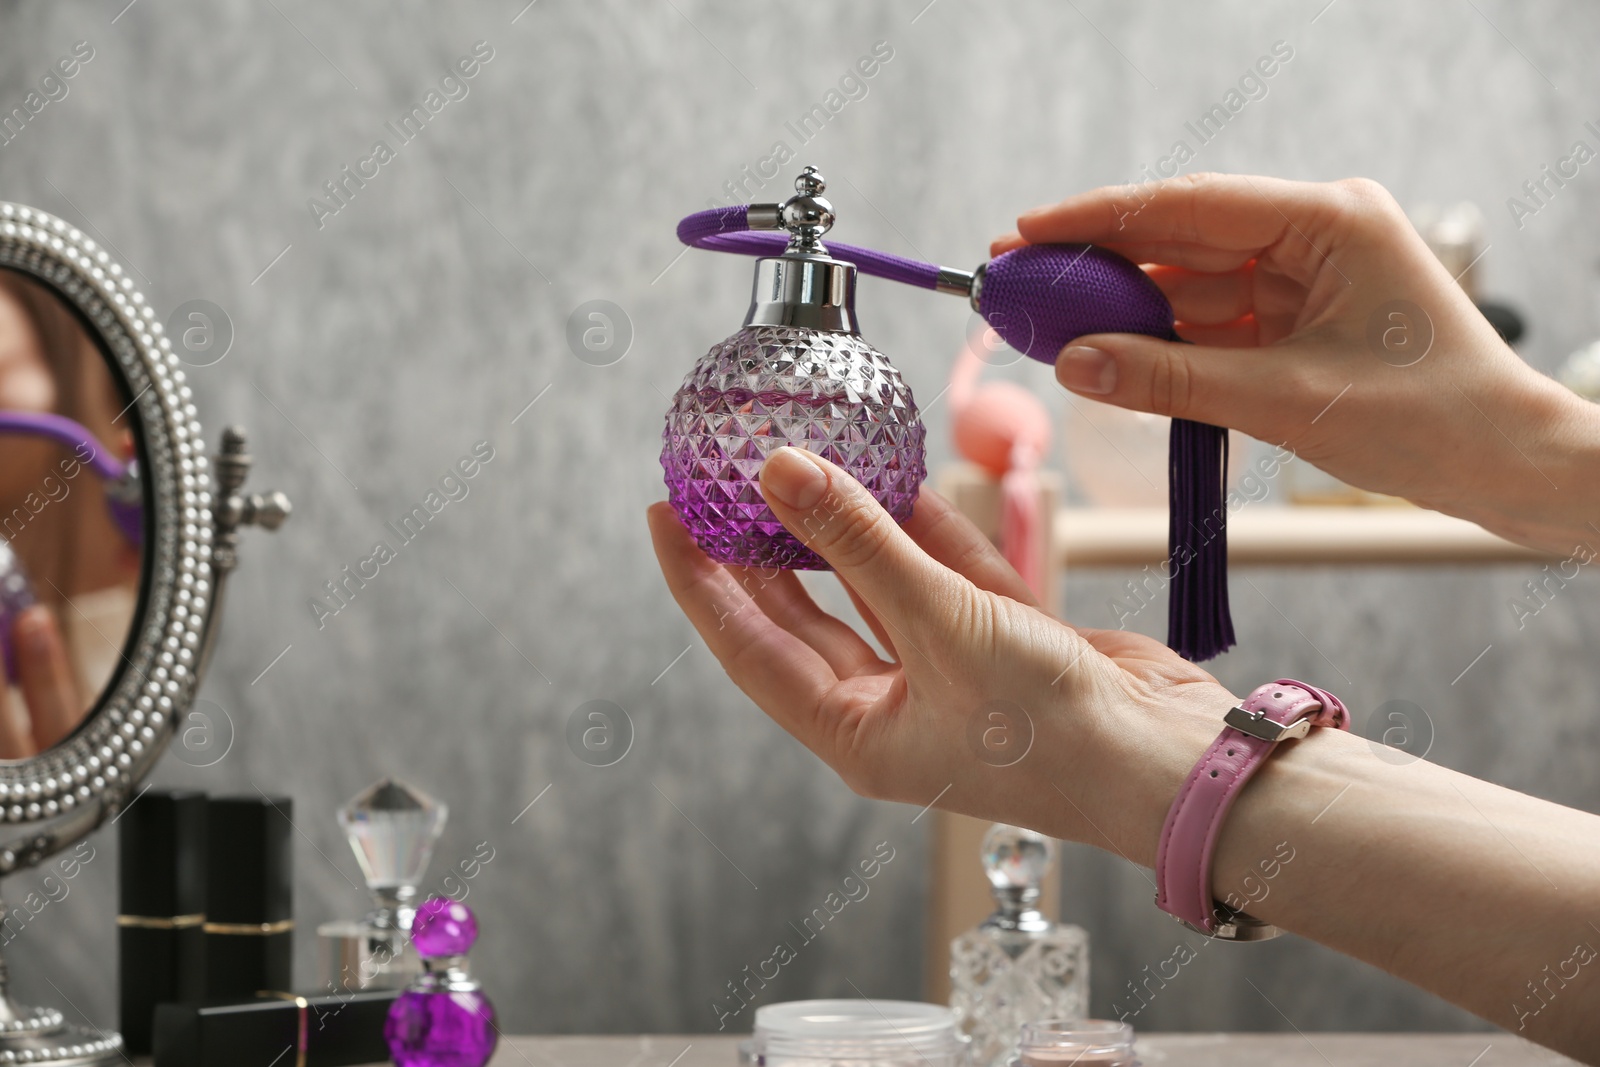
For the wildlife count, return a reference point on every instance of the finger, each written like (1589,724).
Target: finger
(1240,333)
(833,515)
(777,670)
(1203,298)
(1005,244)
(1255,288)
(784,600)
(45,676)
(951,538)
(1223,386)
(1184,254)
(1225,211)
(16,740)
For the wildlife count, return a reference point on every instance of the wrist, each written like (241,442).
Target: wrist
(1275,714)
(1547,452)
(1149,753)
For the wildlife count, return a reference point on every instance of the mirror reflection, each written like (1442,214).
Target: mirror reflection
(71,519)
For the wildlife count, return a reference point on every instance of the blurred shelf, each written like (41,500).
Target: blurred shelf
(1277,535)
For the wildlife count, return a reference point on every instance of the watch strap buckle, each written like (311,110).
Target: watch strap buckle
(1256,724)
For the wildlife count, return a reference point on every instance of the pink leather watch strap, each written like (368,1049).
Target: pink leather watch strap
(1274,712)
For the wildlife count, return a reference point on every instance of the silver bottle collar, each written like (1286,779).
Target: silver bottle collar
(805,287)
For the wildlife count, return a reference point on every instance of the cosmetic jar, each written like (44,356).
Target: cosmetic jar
(1084,1042)
(854,1033)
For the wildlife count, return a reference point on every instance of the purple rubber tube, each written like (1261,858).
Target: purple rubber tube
(122,490)
(1040,298)
(727,230)
(64,430)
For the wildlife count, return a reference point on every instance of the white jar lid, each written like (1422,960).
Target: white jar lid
(877,1031)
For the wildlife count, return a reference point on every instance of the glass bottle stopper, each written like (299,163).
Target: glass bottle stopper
(392,828)
(1016,862)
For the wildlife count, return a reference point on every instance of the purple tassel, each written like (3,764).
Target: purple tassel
(1199,621)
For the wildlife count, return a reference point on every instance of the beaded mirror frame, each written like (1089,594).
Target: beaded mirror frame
(89,776)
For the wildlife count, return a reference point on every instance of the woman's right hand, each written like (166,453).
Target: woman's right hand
(1322,322)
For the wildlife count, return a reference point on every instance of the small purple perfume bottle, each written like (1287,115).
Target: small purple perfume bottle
(443,1019)
(798,373)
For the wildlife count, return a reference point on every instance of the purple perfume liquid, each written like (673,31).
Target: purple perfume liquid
(830,393)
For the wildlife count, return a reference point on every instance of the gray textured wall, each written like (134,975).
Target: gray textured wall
(425,315)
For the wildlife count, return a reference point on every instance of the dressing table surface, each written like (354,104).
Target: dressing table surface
(1176,1050)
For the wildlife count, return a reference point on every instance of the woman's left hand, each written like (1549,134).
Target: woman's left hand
(1098,731)
(988,707)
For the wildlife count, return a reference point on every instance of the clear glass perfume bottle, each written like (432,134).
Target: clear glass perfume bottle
(391,827)
(1016,966)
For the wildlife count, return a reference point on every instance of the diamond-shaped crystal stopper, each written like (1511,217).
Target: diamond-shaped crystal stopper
(392,828)
(1016,862)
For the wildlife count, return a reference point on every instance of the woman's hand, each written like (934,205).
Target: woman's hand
(1322,322)
(989,706)
(51,707)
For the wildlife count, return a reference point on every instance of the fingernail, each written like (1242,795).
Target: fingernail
(792,476)
(1087,370)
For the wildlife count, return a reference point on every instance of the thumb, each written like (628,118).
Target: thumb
(1222,386)
(834,516)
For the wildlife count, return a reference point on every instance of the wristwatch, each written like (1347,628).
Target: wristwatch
(1275,712)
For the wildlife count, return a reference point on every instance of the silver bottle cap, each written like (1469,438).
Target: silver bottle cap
(804,287)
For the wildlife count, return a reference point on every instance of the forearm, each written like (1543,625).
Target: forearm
(1486,897)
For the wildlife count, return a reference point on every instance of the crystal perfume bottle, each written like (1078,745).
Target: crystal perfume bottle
(1016,966)
(443,1019)
(798,373)
(391,828)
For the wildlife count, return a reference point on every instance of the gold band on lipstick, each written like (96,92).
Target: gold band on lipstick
(250,929)
(155,922)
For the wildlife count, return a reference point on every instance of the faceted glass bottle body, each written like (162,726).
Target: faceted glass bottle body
(769,386)
(1001,979)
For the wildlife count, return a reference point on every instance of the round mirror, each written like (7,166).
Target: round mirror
(72,519)
(112,552)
